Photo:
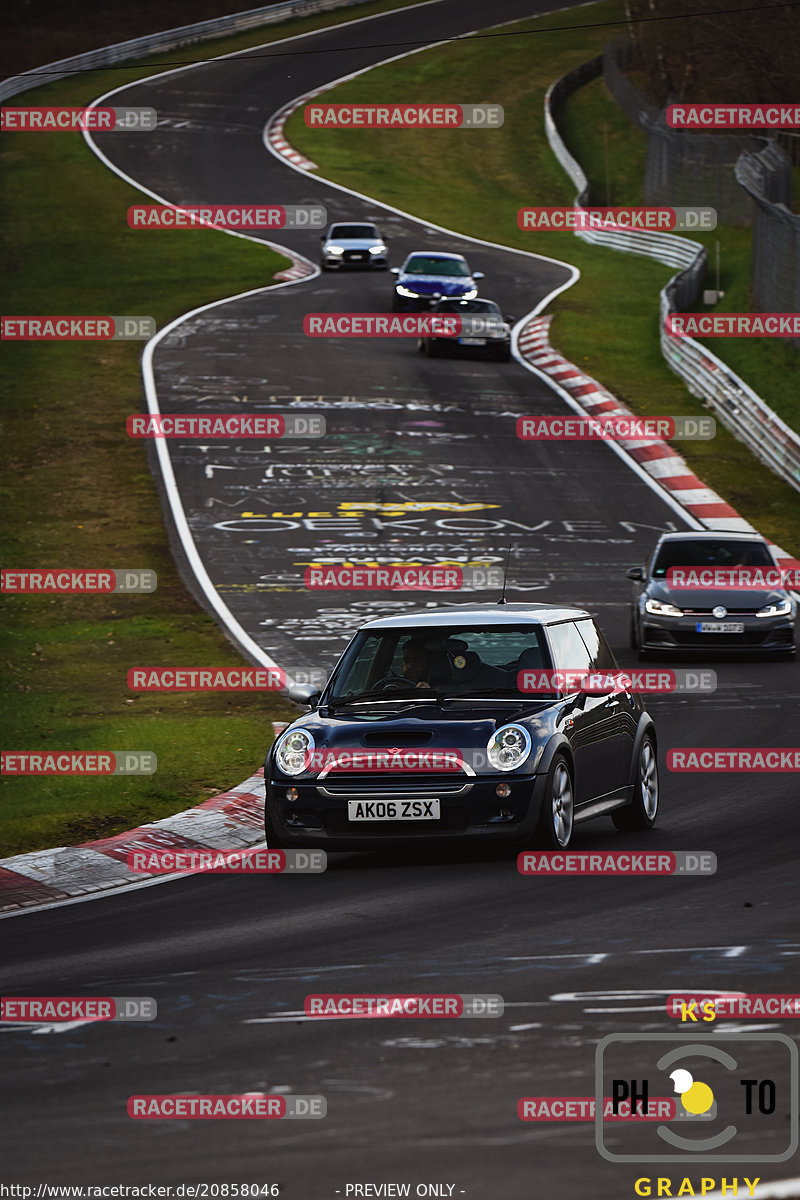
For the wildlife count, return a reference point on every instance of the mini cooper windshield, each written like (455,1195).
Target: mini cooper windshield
(437,664)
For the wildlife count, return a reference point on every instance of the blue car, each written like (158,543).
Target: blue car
(427,276)
(428,731)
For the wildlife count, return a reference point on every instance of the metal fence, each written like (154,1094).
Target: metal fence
(739,408)
(681,168)
(168,39)
(766,177)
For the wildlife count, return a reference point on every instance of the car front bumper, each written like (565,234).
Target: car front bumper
(469,809)
(355,260)
(767,635)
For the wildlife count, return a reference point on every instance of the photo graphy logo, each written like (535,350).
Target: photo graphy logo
(736,1096)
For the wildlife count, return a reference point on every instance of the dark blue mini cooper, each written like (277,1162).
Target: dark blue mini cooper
(463,723)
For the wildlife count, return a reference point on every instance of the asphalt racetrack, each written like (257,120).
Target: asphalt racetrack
(420,461)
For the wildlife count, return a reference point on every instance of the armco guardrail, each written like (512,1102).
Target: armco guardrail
(739,408)
(168,39)
(766,177)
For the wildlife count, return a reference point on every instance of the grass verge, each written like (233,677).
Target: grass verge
(78,493)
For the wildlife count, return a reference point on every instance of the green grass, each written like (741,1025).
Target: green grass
(78,493)
(608,322)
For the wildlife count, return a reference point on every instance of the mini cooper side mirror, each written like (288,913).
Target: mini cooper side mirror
(305,693)
(635,573)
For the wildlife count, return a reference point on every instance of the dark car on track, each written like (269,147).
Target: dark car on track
(429,275)
(423,734)
(490,337)
(710,618)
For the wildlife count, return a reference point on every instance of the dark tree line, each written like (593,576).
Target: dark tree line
(750,54)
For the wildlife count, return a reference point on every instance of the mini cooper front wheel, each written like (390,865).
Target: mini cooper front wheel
(554,831)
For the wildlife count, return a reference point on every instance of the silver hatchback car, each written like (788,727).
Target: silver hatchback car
(353,244)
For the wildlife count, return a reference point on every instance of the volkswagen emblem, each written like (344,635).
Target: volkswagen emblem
(719,612)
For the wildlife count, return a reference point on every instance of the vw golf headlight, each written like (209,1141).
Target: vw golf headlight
(508,747)
(404,291)
(660,609)
(294,750)
(777,608)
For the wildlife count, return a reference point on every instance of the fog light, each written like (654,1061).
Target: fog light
(503,790)
(292,794)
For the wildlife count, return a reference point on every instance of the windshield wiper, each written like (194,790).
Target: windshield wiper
(388,694)
(501,694)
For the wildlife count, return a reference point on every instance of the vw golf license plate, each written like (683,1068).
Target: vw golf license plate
(393,810)
(719,627)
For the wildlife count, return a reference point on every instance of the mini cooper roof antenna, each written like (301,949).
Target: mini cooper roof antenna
(502,599)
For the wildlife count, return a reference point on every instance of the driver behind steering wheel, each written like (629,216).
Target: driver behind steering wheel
(415,668)
(416,662)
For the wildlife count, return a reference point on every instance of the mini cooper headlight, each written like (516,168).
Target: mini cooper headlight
(293,751)
(778,608)
(660,609)
(508,747)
